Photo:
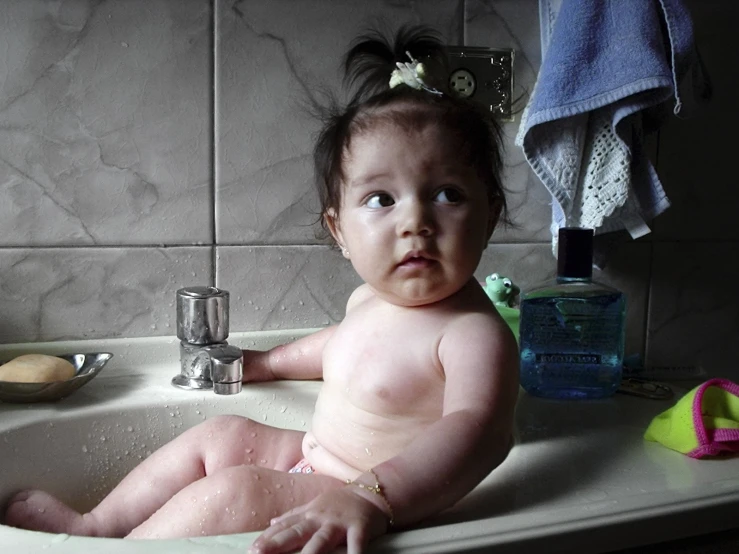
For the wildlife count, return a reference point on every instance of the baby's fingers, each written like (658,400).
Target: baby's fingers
(287,535)
(325,540)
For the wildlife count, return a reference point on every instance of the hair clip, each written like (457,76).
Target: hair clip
(411,74)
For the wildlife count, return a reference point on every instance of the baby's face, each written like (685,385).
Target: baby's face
(414,219)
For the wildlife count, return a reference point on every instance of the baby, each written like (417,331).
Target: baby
(420,379)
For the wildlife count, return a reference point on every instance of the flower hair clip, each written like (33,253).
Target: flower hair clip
(412,74)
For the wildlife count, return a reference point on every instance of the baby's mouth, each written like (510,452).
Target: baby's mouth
(415,261)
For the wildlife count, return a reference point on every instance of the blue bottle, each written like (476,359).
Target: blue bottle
(572,329)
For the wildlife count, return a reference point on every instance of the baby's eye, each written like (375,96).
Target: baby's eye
(449,196)
(380,200)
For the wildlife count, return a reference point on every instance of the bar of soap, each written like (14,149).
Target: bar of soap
(36,368)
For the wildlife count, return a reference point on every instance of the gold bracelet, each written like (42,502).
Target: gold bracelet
(376,489)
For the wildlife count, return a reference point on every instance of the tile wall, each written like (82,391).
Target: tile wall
(147,145)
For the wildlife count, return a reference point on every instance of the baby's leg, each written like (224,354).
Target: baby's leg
(232,500)
(215,444)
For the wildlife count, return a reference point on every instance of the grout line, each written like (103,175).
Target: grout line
(159,245)
(214,141)
(463,5)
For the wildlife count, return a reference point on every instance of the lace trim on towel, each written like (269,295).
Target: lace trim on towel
(606,176)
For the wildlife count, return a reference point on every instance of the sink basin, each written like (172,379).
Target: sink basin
(580,478)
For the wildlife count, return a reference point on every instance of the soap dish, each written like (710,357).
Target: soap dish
(86,367)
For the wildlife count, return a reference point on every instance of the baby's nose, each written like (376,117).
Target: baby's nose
(416,219)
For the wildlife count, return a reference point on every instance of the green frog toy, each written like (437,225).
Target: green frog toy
(503,292)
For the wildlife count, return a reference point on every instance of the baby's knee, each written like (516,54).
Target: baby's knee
(245,480)
(225,425)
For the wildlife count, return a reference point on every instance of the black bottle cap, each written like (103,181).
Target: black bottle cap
(575,253)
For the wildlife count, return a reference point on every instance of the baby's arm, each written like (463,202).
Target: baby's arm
(301,359)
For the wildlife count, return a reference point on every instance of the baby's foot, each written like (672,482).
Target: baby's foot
(39,511)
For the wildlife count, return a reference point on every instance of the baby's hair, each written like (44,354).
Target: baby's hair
(368,66)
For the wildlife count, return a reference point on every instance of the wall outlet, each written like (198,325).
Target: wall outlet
(484,75)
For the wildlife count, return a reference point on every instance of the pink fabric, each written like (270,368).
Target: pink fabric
(713,441)
(302,467)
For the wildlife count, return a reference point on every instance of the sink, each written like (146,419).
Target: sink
(580,477)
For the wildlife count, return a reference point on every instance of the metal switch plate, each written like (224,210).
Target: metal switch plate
(484,75)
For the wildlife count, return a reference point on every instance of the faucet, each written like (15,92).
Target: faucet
(207,361)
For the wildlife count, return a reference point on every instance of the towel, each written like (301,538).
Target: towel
(609,71)
(704,422)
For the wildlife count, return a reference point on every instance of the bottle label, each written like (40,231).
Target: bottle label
(592,359)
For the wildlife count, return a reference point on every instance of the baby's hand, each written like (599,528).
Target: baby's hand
(339,516)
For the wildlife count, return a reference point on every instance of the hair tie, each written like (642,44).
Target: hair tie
(412,74)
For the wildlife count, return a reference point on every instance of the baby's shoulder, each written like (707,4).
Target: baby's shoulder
(481,324)
(360,294)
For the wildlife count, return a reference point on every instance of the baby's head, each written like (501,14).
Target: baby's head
(408,175)
(469,129)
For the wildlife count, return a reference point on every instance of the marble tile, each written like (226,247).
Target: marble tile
(515,24)
(264,129)
(50,294)
(308,286)
(529,265)
(696,154)
(105,122)
(693,308)
(284,287)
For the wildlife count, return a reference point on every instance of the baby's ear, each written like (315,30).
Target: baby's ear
(332,223)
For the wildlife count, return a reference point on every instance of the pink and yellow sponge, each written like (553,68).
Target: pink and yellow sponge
(704,422)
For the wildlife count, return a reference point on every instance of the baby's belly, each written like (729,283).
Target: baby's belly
(326,462)
(346,442)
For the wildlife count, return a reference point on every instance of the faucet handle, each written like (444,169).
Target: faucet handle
(226,368)
(202,315)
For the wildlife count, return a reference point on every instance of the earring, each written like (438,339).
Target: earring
(344,251)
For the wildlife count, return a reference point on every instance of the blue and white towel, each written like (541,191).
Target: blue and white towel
(610,68)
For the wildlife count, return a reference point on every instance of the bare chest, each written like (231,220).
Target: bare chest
(387,365)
